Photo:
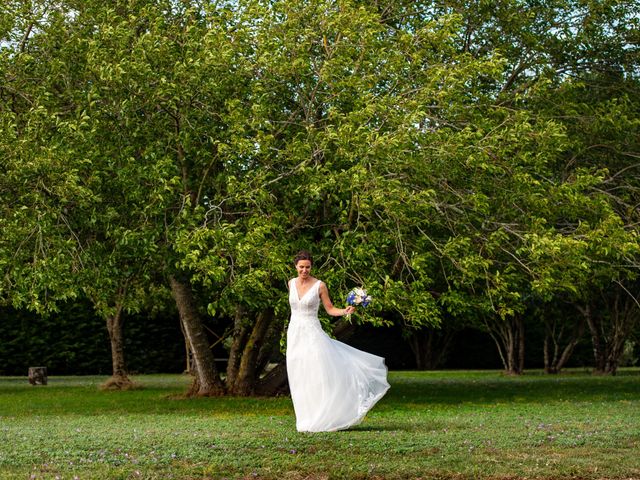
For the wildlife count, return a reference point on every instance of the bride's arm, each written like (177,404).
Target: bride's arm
(328,305)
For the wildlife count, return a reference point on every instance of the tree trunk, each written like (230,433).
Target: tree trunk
(429,347)
(508,335)
(274,382)
(240,334)
(624,312)
(555,361)
(510,351)
(421,343)
(596,339)
(119,378)
(271,342)
(610,327)
(248,373)
(548,362)
(207,381)
(519,325)
(187,352)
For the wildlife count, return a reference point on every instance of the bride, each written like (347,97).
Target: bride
(332,385)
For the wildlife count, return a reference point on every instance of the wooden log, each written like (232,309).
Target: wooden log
(38,375)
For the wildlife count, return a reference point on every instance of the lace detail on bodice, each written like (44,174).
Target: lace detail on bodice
(304,323)
(307,305)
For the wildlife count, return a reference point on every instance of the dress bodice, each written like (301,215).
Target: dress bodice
(308,304)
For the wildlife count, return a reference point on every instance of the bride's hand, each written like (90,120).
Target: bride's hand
(349,310)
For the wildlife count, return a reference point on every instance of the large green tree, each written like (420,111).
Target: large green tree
(192,148)
(539,198)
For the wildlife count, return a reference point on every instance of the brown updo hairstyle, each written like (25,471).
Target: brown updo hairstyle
(302,255)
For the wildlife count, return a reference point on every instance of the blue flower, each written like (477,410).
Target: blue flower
(358,297)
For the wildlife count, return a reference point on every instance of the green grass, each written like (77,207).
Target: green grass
(430,425)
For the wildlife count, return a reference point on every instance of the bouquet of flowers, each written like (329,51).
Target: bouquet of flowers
(358,298)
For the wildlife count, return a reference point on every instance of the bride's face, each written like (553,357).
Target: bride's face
(304,268)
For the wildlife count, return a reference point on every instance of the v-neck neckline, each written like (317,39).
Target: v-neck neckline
(295,284)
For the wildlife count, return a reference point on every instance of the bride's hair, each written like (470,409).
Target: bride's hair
(302,255)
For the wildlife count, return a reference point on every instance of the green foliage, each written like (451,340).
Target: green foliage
(68,342)
(74,341)
(457,159)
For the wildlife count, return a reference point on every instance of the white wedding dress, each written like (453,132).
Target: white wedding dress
(332,385)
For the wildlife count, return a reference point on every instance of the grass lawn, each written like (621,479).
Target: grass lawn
(440,425)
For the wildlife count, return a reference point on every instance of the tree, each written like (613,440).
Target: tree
(543,48)
(411,145)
